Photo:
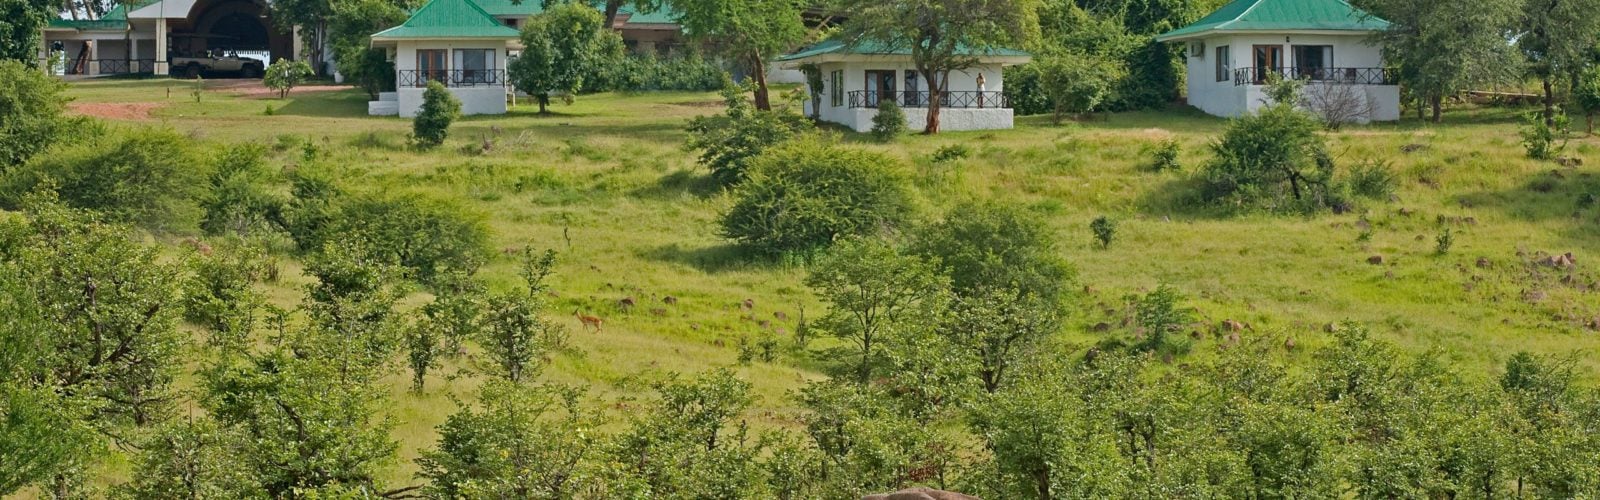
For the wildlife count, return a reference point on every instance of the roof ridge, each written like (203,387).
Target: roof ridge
(1247,10)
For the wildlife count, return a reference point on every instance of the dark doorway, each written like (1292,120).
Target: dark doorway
(880,83)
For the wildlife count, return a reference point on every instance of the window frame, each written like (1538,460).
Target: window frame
(837,96)
(1224,63)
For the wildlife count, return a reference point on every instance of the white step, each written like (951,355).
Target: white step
(383,108)
(388,96)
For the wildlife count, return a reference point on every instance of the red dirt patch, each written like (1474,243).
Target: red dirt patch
(253,89)
(115,111)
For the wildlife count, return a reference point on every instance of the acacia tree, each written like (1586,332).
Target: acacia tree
(942,35)
(874,292)
(750,32)
(1557,36)
(1440,47)
(559,47)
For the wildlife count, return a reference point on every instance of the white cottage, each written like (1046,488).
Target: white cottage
(856,77)
(1232,52)
(454,42)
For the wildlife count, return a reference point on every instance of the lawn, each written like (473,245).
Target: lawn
(607,183)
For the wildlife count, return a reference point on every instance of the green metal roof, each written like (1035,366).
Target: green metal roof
(1282,15)
(875,48)
(515,8)
(450,19)
(115,19)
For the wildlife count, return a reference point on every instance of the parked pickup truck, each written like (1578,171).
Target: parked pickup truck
(216,62)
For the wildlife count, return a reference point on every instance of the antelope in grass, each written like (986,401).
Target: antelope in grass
(588,321)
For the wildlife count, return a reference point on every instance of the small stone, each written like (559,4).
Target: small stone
(1376,260)
(1483,263)
(1102,327)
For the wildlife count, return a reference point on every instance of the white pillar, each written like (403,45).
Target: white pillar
(161,46)
(94,58)
(133,55)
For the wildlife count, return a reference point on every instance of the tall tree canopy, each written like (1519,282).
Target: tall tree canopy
(20,22)
(1441,47)
(1558,37)
(942,35)
(560,46)
(749,32)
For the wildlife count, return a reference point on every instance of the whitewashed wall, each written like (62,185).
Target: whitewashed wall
(482,100)
(953,119)
(1223,98)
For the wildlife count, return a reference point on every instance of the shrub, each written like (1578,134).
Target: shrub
(648,72)
(148,176)
(31,104)
(729,142)
(1077,83)
(952,152)
(432,124)
(427,236)
(244,199)
(1274,158)
(1544,140)
(804,195)
(1283,91)
(1165,156)
(1105,230)
(1444,241)
(890,122)
(1373,179)
(284,75)
(1586,96)
(1162,319)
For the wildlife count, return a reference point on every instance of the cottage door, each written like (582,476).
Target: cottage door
(430,67)
(1269,59)
(880,84)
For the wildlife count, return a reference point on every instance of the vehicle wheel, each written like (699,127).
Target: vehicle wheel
(251,72)
(192,71)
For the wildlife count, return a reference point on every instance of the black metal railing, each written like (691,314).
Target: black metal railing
(1348,76)
(920,99)
(109,66)
(451,78)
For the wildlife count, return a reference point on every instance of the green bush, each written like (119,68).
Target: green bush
(648,73)
(432,124)
(952,152)
(1273,159)
(1077,83)
(149,176)
(244,196)
(423,234)
(890,122)
(1165,156)
(804,195)
(728,142)
(1544,140)
(1105,230)
(1586,96)
(1373,179)
(31,104)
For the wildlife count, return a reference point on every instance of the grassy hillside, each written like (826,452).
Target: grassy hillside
(606,182)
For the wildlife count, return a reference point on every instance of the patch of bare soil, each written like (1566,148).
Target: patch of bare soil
(254,89)
(115,110)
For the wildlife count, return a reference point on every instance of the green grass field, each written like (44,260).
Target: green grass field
(606,182)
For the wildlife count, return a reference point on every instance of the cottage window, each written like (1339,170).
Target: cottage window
(430,65)
(838,88)
(1224,64)
(475,65)
(1314,61)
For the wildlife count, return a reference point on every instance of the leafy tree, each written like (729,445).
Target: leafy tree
(1586,96)
(1042,445)
(1078,83)
(866,443)
(1442,47)
(428,236)
(432,124)
(515,332)
(284,75)
(220,293)
(1557,37)
(561,46)
(31,106)
(1261,157)
(1161,317)
(804,195)
(310,19)
(874,293)
(525,442)
(941,35)
(191,459)
(1009,285)
(456,310)
(43,432)
(149,176)
(423,348)
(23,24)
(690,440)
(350,27)
(731,141)
(749,33)
(354,328)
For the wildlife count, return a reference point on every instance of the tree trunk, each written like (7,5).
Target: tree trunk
(1549,102)
(1437,102)
(612,6)
(935,101)
(1420,107)
(866,358)
(544,102)
(758,70)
